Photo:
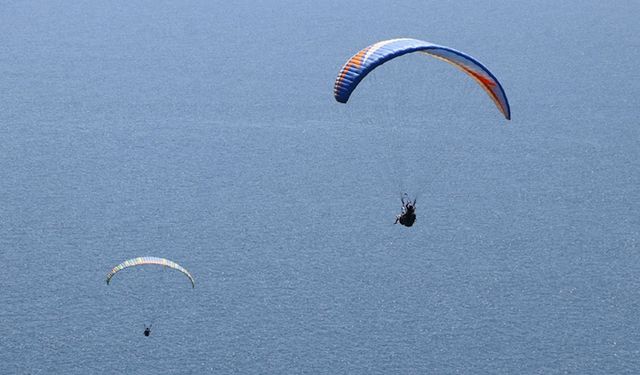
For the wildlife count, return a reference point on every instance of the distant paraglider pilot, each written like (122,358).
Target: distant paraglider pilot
(408,215)
(147,330)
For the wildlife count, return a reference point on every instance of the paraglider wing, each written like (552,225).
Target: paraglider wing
(377,54)
(150,260)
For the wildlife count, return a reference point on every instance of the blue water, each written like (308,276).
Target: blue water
(206,132)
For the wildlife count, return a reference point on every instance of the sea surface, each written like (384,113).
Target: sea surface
(206,132)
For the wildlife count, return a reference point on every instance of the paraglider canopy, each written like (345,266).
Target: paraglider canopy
(362,63)
(140,261)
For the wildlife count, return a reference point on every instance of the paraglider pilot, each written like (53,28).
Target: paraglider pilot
(408,215)
(147,330)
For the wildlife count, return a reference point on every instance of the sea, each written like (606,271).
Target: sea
(206,132)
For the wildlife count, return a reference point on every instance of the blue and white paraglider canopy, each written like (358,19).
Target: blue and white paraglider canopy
(357,67)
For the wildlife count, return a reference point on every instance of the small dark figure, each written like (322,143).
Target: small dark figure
(408,215)
(147,330)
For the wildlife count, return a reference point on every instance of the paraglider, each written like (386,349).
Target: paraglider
(365,61)
(369,58)
(408,215)
(143,261)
